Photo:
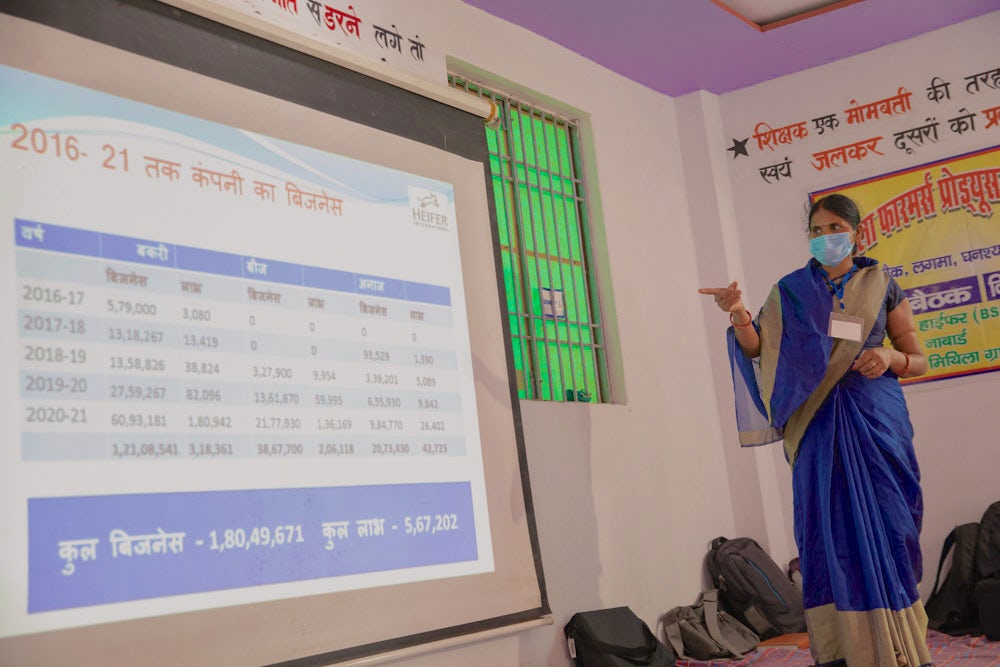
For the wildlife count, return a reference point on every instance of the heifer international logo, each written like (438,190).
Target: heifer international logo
(428,209)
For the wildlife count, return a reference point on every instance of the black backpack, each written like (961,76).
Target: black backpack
(754,589)
(952,607)
(987,590)
(968,600)
(988,544)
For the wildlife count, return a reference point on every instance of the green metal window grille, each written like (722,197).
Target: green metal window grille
(553,303)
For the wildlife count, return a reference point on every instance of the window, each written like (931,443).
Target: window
(553,304)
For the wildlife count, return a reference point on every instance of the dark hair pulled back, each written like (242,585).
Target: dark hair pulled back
(841,206)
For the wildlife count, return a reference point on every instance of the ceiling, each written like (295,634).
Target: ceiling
(680,46)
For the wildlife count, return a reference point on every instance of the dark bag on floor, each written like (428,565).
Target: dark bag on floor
(614,638)
(754,589)
(987,590)
(952,607)
(702,631)
(987,596)
(988,544)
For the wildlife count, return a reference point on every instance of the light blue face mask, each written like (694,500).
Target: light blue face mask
(831,249)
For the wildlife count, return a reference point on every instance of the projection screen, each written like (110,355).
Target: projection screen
(256,390)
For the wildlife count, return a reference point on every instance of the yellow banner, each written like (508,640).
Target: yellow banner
(936,230)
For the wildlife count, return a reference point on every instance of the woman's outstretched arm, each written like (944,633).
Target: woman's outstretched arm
(730,300)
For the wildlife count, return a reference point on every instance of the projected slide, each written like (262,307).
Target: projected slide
(239,368)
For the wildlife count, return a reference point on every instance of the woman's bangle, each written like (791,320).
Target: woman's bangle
(906,367)
(741,326)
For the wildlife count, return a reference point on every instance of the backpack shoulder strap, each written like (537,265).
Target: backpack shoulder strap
(710,600)
(672,632)
(948,543)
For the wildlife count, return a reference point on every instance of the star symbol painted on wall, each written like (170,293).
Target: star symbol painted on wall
(739,147)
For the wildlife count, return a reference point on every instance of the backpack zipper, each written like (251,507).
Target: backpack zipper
(769,584)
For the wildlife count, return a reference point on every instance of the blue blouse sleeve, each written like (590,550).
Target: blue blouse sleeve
(894,295)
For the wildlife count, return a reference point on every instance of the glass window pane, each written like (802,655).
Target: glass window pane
(553,313)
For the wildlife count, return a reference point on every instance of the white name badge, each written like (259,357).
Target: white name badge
(846,327)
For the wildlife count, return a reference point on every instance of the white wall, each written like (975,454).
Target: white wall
(628,495)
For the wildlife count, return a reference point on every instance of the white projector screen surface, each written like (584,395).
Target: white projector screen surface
(243,378)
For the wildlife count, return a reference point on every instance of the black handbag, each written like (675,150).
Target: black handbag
(615,638)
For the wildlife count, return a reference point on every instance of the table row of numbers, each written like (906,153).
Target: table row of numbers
(100,416)
(371,342)
(156,391)
(67,363)
(143,446)
(209,300)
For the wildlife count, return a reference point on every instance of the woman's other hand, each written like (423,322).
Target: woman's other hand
(874,362)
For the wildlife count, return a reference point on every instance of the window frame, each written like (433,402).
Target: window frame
(547,346)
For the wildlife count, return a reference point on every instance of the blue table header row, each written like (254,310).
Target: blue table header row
(56,238)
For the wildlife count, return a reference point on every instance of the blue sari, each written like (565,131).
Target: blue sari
(856,485)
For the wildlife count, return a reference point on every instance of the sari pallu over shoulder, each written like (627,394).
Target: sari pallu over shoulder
(778,394)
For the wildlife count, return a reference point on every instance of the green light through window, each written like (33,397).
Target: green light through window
(540,200)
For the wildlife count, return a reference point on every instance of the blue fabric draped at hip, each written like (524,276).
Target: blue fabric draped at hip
(858,504)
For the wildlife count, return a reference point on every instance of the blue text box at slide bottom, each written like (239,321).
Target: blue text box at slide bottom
(100,549)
